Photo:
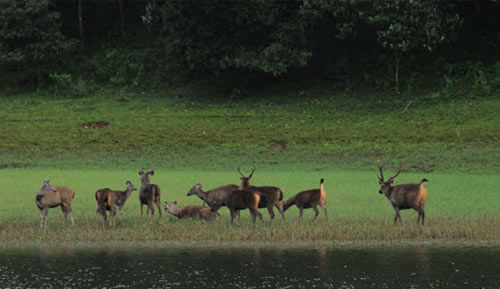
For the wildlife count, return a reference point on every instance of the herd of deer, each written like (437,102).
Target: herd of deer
(236,198)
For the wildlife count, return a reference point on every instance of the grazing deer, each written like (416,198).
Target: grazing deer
(211,196)
(402,197)
(240,200)
(199,212)
(149,194)
(107,199)
(270,196)
(50,197)
(309,199)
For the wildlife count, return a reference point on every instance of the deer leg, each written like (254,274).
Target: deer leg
(271,213)
(45,216)
(112,214)
(259,215)
(421,214)
(41,218)
(301,213)
(325,211)
(65,213)
(252,213)
(70,211)
(121,211)
(159,206)
(316,212)
(397,215)
(279,206)
(233,215)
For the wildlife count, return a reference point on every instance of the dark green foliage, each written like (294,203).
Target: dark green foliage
(217,35)
(410,25)
(30,33)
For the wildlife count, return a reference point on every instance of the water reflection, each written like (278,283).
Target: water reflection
(252,268)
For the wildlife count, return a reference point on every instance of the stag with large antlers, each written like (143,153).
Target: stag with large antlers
(270,196)
(402,197)
(149,194)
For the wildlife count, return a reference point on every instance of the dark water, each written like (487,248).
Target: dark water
(251,268)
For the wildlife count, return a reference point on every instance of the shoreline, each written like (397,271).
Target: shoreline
(221,245)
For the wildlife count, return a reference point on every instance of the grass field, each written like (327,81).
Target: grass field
(461,207)
(294,138)
(198,130)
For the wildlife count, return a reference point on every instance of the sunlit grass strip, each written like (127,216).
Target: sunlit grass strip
(439,230)
(460,208)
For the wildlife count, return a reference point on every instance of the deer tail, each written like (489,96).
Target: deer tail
(290,202)
(280,195)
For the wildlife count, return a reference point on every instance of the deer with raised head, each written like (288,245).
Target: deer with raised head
(309,199)
(107,200)
(149,194)
(270,196)
(240,200)
(197,212)
(211,196)
(50,197)
(402,197)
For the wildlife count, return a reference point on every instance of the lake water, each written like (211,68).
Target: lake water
(410,267)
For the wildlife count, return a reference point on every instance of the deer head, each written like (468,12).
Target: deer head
(130,186)
(195,190)
(145,175)
(46,188)
(171,207)
(245,181)
(386,185)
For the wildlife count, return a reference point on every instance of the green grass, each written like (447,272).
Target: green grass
(193,129)
(460,208)
(294,137)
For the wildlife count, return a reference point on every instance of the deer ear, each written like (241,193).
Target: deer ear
(392,181)
(140,173)
(174,203)
(380,182)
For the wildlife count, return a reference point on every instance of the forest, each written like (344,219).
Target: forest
(404,46)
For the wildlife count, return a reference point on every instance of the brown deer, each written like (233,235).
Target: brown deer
(149,194)
(50,197)
(199,212)
(240,200)
(107,199)
(211,196)
(309,199)
(402,197)
(270,196)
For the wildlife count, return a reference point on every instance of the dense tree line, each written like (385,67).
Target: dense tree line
(221,37)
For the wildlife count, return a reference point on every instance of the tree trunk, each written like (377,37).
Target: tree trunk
(80,22)
(396,76)
(120,3)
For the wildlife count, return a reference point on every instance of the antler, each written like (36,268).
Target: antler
(380,168)
(399,171)
(239,171)
(251,174)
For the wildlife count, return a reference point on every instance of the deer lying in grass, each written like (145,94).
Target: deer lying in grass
(50,197)
(213,195)
(240,200)
(107,199)
(149,194)
(402,197)
(309,199)
(197,212)
(270,196)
